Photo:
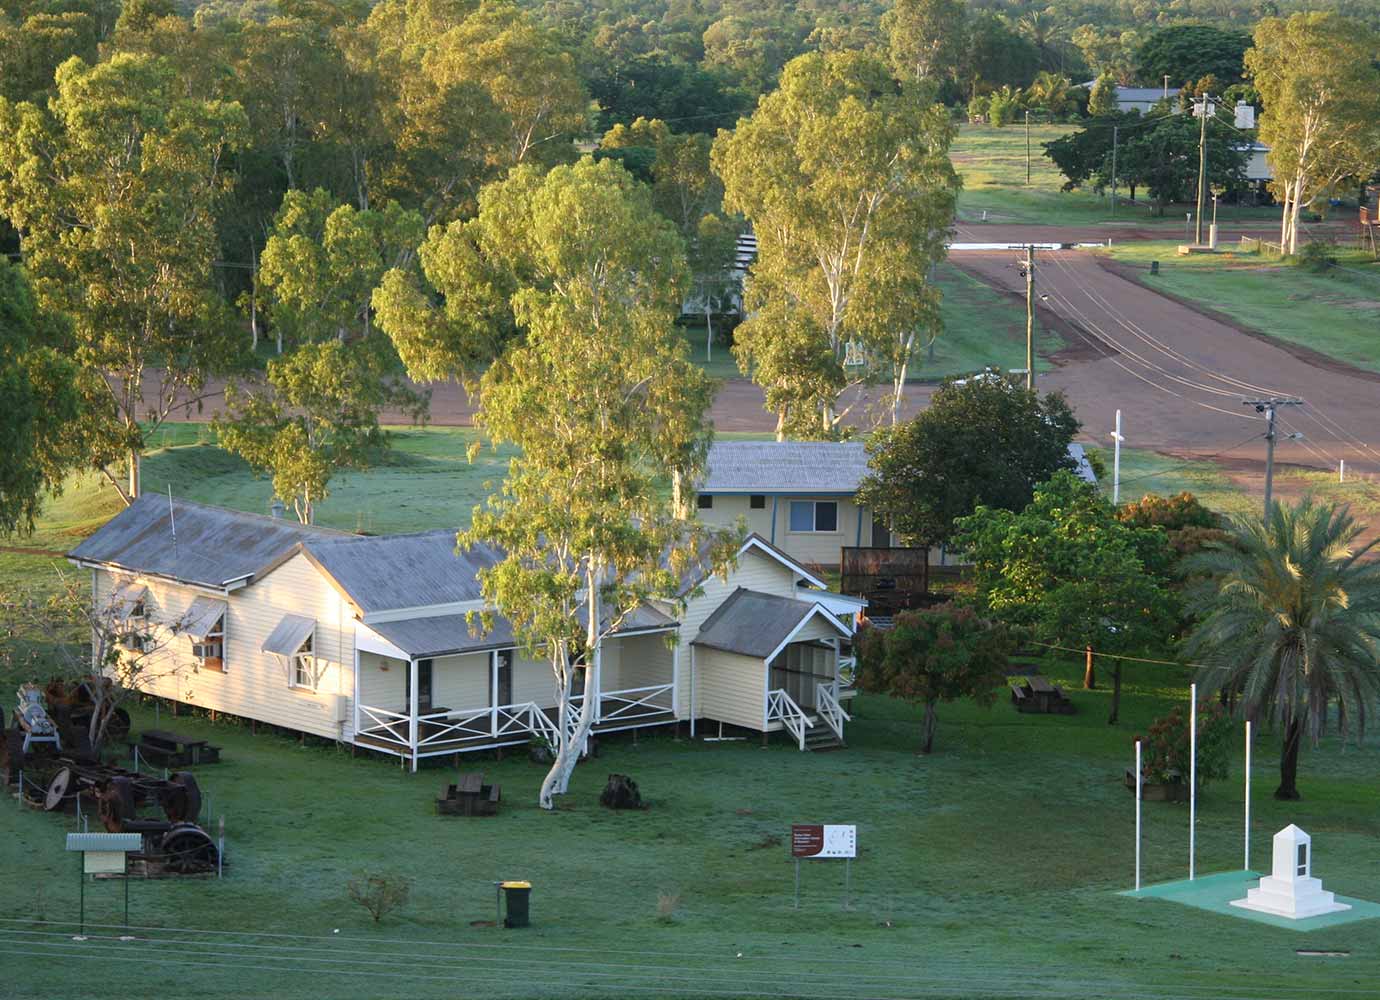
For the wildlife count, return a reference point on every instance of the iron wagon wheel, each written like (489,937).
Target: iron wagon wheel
(187,848)
(57,790)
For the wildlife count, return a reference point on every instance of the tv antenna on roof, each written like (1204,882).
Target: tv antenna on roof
(172,519)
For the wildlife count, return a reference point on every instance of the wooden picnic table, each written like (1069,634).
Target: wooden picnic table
(469,796)
(1034,693)
(168,749)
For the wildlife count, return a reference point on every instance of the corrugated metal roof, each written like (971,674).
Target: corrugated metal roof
(751,623)
(404,571)
(288,635)
(214,546)
(447,635)
(804,467)
(444,635)
(784,467)
(202,616)
(105,842)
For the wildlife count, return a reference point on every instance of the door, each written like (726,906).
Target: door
(502,694)
(881,534)
(423,687)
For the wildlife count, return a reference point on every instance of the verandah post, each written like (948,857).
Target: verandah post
(493,692)
(412,710)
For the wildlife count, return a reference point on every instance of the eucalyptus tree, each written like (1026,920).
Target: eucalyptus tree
(596,392)
(845,177)
(1292,623)
(41,420)
(1317,76)
(927,38)
(686,191)
(317,410)
(113,188)
(526,73)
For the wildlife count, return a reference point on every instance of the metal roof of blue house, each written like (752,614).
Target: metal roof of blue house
(803,467)
(784,467)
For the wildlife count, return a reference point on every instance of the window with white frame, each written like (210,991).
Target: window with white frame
(814,516)
(135,635)
(210,651)
(304,664)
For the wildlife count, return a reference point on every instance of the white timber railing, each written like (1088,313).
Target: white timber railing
(829,708)
(389,726)
(781,707)
(636,703)
(488,722)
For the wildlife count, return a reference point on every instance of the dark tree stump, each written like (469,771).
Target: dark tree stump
(620,793)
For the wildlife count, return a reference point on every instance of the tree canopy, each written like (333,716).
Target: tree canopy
(113,188)
(845,177)
(1292,623)
(986,442)
(45,405)
(1069,573)
(1317,76)
(600,400)
(1187,52)
(932,655)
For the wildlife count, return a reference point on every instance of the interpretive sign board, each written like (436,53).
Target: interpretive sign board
(824,840)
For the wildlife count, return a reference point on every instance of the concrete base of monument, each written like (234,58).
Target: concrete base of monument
(1297,899)
(1217,892)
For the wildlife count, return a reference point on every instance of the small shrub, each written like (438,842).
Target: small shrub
(1165,751)
(380,893)
(1318,257)
(667,903)
(768,840)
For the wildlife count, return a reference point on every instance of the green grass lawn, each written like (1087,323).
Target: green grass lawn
(988,869)
(992,162)
(982,327)
(1144,471)
(1335,313)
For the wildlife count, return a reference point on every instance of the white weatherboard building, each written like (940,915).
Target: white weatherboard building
(366,640)
(801,496)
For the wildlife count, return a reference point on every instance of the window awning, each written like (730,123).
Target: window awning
(288,635)
(126,598)
(200,619)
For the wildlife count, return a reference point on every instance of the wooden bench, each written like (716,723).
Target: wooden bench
(469,796)
(162,748)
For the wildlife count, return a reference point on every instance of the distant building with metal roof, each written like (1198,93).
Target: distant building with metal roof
(800,496)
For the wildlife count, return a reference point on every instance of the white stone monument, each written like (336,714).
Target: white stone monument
(1291,890)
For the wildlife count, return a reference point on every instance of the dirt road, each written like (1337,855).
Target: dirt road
(1180,376)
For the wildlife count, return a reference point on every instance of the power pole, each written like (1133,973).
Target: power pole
(1030,316)
(1027,148)
(1116,461)
(1268,407)
(1203,107)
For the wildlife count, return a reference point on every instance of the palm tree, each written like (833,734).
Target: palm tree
(1293,623)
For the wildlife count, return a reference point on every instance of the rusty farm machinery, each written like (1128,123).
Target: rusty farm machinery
(49,775)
